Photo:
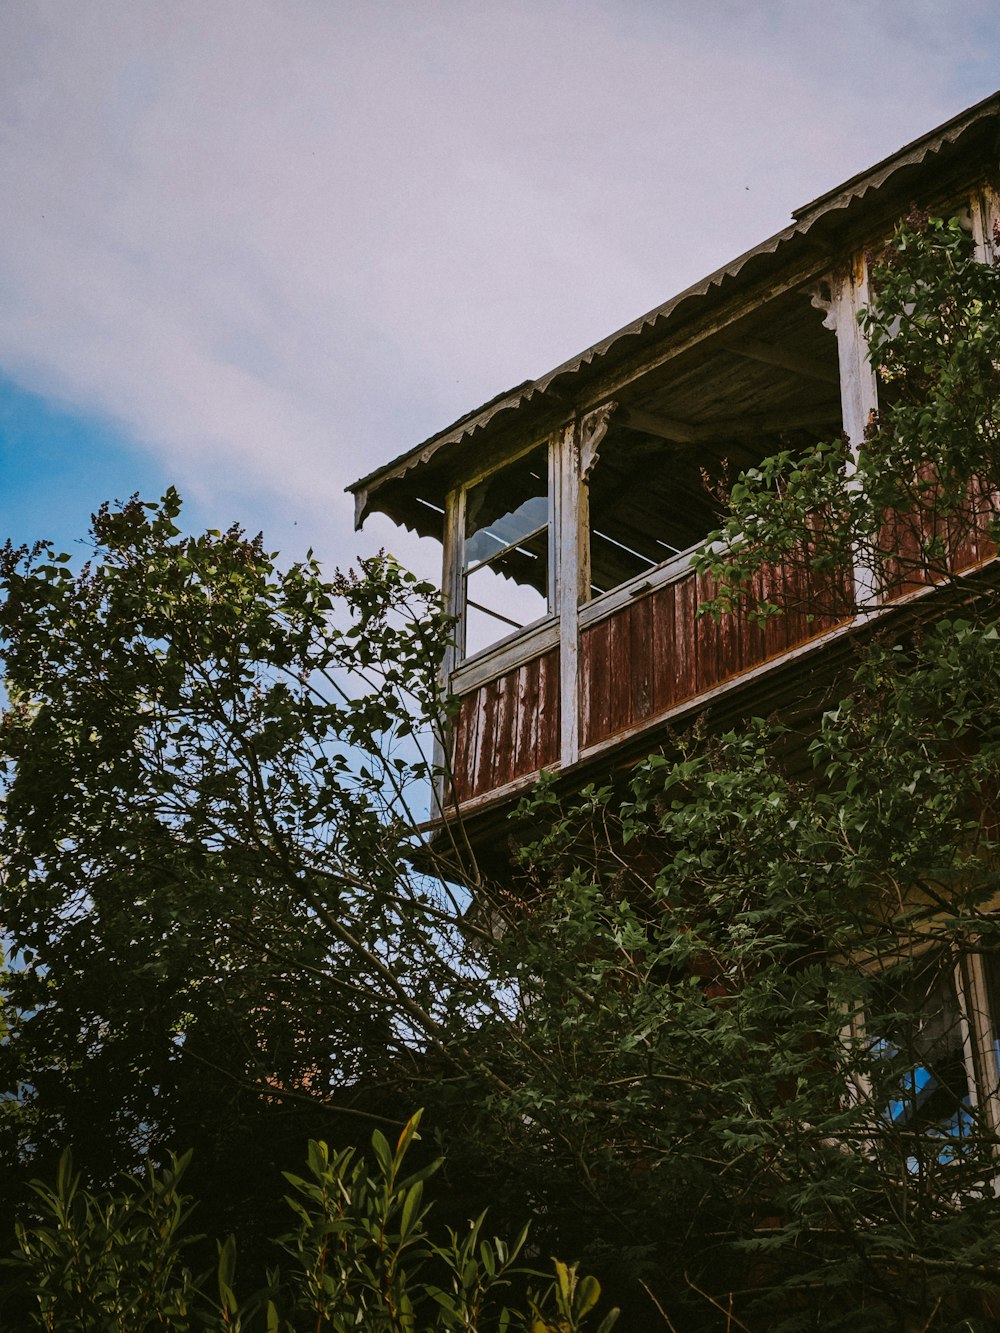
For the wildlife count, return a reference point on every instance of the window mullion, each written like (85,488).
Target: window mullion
(977,1038)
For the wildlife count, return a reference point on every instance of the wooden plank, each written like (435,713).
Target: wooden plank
(662,654)
(730,642)
(663,428)
(526,735)
(843,598)
(903,571)
(508,728)
(754,633)
(470,723)
(548,709)
(596,697)
(463,737)
(478,726)
(796,593)
(969,542)
(485,738)
(586,649)
(618,681)
(450,581)
(786,358)
(505,730)
(684,673)
(963,546)
(830,594)
(565,572)
(641,659)
(776,627)
(706,638)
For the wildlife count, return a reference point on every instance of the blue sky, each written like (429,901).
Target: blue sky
(252,248)
(58,465)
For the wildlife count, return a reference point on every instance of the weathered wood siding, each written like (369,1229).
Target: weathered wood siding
(963,538)
(657,651)
(507,727)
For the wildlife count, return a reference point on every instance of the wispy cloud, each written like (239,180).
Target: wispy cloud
(280,240)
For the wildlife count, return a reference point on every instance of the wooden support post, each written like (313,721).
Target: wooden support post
(574,456)
(843,295)
(564,580)
(984,209)
(451,592)
(979,1048)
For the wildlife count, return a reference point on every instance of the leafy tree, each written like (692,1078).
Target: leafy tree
(711,1036)
(739,963)
(218,934)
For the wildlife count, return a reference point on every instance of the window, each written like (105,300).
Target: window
(649,501)
(505,558)
(932,1031)
(924,1046)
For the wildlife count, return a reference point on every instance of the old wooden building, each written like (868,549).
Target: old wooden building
(569,506)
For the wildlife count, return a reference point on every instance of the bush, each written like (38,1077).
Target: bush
(361,1258)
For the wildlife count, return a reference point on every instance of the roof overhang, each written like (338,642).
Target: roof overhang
(411,488)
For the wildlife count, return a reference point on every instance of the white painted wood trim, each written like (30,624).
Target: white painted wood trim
(451,575)
(451,572)
(846,294)
(977,1038)
(499,658)
(578,451)
(607,603)
(566,585)
(858,389)
(984,208)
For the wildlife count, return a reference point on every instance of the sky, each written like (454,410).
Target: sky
(254,248)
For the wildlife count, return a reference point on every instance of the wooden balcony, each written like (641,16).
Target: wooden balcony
(647,655)
(644,652)
(568,485)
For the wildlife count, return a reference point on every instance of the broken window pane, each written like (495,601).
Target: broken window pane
(506,556)
(649,501)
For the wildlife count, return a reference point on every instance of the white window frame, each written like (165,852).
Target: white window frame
(455,574)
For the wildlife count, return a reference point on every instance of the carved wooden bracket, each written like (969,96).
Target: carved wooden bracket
(821,297)
(593,428)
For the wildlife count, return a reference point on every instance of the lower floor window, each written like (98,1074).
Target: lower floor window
(932,1024)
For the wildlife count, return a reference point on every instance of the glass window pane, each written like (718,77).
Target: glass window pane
(506,556)
(506,507)
(914,1027)
(506,530)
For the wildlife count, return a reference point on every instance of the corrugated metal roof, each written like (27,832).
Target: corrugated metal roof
(913,156)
